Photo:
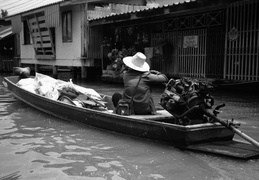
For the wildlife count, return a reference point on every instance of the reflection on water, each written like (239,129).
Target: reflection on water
(34,145)
(40,147)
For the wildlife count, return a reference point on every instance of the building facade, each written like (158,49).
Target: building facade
(198,38)
(201,39)
(57,35)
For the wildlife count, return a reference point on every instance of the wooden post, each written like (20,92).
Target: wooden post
(74,72)
(55,71)
(36,67)
(83,72)
(84,37)
(84,31)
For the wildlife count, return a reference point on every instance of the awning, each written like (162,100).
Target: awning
(131,2)
(5,31)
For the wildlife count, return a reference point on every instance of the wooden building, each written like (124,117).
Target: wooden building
(56,35)
(7,44)
(196,38)
(204,39)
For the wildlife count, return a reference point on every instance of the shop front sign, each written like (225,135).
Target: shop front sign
(190,41)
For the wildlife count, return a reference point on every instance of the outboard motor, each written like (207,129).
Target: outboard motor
(183,97)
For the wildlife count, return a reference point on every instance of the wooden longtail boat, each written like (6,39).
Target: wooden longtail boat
(204,137)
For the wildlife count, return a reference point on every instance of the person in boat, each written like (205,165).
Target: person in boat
(138,74)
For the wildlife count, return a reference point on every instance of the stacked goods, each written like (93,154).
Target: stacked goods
(63,91)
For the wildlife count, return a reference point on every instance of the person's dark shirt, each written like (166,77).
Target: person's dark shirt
(143,101)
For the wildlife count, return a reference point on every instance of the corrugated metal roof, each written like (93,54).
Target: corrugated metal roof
(5,31)
(129,2)
(14,7)
(148,8)
(20,6)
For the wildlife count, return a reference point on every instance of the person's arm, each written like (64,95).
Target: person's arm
(156,77)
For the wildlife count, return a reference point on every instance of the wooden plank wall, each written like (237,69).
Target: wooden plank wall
(52,15)
(242,42)
(96,40)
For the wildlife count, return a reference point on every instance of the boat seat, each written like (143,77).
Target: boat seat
(161,114)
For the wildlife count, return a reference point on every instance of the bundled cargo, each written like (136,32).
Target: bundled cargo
(63,91)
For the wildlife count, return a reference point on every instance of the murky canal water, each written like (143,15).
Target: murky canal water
(34,145)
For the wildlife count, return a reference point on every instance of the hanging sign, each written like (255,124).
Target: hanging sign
(190,41)
(233,34)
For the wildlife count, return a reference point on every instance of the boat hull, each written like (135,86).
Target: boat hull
(154,127)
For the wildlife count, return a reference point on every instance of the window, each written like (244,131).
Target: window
(67,26)
(26,33)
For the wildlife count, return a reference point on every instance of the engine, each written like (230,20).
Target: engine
(182,98)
